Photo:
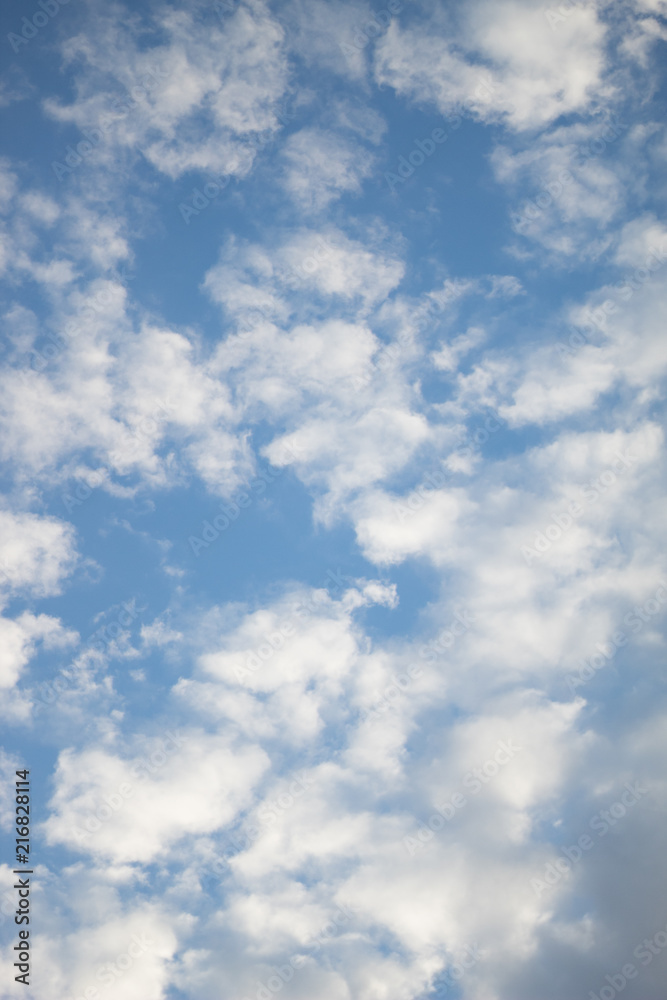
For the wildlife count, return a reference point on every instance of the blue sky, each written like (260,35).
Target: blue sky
(332,474)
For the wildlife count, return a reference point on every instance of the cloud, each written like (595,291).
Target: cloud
(18,642)
(195,788)
(120,950)
(187,102)
(97,386)
(573,184)
(36,553)
(293,660)
(307,267)
(321,167)
(499,62)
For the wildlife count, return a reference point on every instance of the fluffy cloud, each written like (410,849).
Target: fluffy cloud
(321,167)
(503,62)
(292,661)
(189,102)
(18,642)
(374,787)
(189,784)
(36,553)
(118,950)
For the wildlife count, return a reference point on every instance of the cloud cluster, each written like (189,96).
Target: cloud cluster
(375,787)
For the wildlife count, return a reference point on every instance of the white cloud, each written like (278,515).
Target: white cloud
(291,661)
(43,208)
(389,531)
(18,638)
(253,282)
(158,633)
(186,103)
(36,553)
(122,951)
(333,264)
(572,184)
(612,339)
(321,167)
(96,385)
(196,788)
(502,62)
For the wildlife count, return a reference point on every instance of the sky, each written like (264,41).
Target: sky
(332,574)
